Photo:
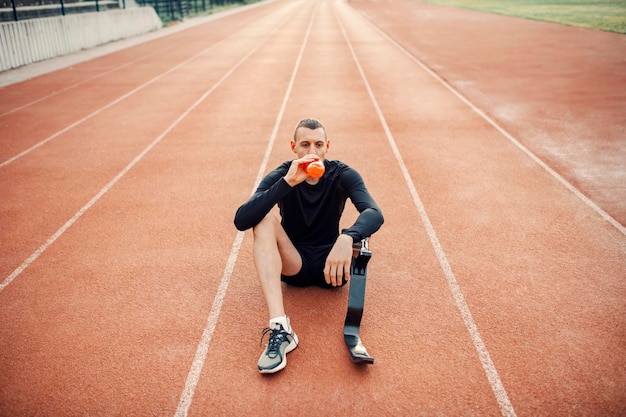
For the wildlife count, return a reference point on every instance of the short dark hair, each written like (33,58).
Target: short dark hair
(308,123)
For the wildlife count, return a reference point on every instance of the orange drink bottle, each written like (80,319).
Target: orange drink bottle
(315,169)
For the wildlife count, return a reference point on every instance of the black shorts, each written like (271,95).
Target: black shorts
(312,271)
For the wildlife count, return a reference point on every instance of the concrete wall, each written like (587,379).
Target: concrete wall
(28,41)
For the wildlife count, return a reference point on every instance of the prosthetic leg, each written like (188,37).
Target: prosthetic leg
(356,300)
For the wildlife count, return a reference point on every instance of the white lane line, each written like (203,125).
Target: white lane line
(114,102)
(123,172)
(203,347)
(497,387)
(606,216)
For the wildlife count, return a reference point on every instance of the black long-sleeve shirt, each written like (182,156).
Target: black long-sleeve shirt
(311,213)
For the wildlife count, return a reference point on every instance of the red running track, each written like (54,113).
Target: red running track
(497,282)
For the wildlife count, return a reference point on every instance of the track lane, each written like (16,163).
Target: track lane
(317,315)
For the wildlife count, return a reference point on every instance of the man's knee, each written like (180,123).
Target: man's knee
(266,226)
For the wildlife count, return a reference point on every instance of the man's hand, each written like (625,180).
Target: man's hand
(339,261)
(297,173)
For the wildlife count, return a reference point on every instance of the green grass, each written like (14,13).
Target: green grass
(607,15)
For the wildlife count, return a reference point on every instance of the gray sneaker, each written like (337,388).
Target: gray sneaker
(280,343)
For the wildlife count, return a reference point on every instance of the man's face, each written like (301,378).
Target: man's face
(310,141)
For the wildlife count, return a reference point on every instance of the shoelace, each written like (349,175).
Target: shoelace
(277,337)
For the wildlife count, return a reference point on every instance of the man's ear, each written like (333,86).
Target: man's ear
(327,144)
(293,146)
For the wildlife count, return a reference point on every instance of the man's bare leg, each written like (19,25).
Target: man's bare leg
(274,254)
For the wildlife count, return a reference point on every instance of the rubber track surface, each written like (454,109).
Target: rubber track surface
(494,146)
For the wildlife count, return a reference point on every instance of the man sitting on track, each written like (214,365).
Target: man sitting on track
(304,247)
